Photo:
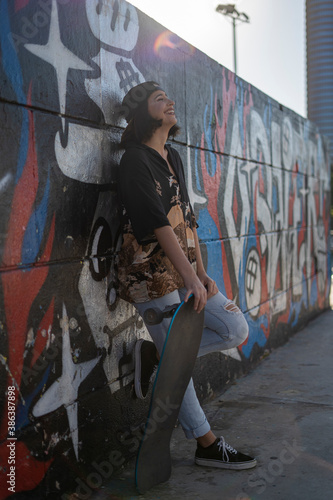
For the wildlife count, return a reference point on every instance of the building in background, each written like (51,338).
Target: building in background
(319,33)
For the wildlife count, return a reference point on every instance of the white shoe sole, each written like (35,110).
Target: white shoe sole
(208,462)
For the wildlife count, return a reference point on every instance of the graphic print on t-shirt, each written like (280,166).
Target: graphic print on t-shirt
(160,199)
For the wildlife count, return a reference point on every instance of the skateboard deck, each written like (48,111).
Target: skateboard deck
(153,465)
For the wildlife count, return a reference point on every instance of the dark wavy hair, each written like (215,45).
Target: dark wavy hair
(142,127)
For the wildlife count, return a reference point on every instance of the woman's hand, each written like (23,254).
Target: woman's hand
(194,286)
(208,283)
(168,241)
(199,284)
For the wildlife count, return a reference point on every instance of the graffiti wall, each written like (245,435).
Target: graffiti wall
(259,180)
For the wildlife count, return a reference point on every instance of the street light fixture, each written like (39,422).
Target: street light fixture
(229,10)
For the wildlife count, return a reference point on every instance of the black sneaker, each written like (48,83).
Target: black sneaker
(222,455)
(145,366)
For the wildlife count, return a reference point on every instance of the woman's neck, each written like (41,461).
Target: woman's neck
(157,142)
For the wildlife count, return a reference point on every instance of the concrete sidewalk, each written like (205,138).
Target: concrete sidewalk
(282,413)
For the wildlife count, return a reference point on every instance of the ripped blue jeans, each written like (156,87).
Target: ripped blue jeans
(224,328)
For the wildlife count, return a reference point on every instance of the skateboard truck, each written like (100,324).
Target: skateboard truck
(154,316)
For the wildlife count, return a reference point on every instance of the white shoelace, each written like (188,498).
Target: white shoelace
(225,447)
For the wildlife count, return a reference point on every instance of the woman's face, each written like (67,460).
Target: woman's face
(160,107)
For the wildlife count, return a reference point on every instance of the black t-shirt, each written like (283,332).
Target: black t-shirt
(151,197)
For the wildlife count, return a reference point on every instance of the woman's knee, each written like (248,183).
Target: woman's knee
(239,326)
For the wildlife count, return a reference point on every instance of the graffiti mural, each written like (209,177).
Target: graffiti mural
(267,204)
(259,180)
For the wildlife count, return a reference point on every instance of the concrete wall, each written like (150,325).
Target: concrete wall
(258,176)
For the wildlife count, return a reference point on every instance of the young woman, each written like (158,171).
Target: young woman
(160,262)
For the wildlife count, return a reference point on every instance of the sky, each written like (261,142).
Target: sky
(271,49)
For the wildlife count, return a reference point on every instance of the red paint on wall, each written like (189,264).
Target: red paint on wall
(20,288)
(19,4)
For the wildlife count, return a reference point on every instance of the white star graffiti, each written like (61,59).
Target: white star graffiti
(64,391)
(56,54)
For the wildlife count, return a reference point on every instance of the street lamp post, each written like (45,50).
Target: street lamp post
(229,10)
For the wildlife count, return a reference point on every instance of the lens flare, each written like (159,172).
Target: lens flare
(170,46)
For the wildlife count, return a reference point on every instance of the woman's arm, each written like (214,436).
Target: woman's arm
(210,284)
(168,241)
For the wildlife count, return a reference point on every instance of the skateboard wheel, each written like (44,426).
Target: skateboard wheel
(152,316)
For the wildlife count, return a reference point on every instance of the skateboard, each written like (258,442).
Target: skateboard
(153,464)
